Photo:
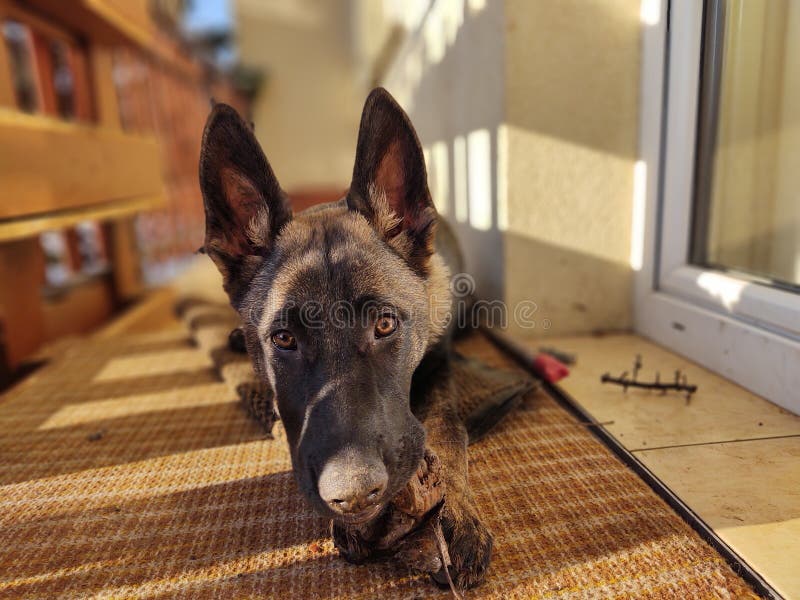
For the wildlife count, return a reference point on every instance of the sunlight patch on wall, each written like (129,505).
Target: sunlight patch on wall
(502,178)
(452,19)
(408,12)
(460,174)
(476,6)
(638,214)
(433,34)
(414,65)
(569,195)
(797,261)
(441,169)
(650,12)
(479,153)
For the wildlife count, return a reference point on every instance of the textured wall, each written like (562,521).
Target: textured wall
(528,110)
(528,113)
(572,91)
(450,78)
(307,115)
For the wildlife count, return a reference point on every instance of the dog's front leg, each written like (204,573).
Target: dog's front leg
(469,541)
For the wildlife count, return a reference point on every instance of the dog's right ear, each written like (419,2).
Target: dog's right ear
(244,204)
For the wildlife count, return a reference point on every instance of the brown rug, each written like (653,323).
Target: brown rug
(129,469)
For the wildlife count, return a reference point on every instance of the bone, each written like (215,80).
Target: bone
(406,528)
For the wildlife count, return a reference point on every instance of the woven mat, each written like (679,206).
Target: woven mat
(129,469)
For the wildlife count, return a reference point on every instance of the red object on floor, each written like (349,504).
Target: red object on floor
(549,368)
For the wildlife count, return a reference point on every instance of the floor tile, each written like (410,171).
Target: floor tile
(749,493)
(719,411)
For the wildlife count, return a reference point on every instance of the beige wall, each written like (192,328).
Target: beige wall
(450,78)
(307,115)
(528,113)
(572,81)
(548,92)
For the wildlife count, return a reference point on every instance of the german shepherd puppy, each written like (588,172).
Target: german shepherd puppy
(342,312)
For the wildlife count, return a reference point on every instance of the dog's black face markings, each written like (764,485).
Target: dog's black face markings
(335,303)
(341,375)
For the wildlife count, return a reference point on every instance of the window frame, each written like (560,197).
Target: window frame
(728,322)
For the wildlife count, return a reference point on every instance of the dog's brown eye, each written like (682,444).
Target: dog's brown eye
(284,340)
(385,325)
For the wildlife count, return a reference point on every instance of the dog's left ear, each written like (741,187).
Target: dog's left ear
(390,183)
(244,204)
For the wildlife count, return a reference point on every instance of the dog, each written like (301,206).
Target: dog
(341,307)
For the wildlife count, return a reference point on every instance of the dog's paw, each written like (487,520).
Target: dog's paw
(469,544)
(419,550)
(350,543)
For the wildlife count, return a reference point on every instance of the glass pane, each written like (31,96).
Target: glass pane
(747,213)
(20,53)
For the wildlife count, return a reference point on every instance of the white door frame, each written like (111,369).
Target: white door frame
(745,331)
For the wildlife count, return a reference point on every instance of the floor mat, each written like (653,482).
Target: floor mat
(129,469)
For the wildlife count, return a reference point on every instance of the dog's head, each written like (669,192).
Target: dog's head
(336,302)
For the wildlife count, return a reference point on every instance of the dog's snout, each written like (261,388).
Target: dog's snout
(350,484)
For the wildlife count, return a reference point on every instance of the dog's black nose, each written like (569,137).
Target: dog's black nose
(351,484)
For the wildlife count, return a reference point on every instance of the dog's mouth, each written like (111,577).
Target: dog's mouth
(362,517)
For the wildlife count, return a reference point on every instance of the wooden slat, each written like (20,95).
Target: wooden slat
(106,104)
(31,63)
(78,16)
(123,252)
(131,16)
(84,107)
(79,310)
(16,229)
(11,9)
(47,165)
(6,86)
(44,72)
(22,275)
(118,22)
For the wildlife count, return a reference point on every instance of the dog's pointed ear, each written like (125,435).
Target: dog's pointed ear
(244,205)
(390,184)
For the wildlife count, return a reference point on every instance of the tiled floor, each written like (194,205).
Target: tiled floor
(731,456)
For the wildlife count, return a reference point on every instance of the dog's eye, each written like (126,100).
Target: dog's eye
(385,326)
(284,340)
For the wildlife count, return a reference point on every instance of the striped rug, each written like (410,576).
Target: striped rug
(128,469)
